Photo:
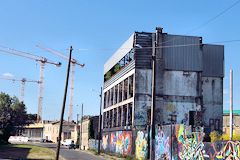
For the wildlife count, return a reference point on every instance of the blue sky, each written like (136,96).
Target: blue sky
(96,29)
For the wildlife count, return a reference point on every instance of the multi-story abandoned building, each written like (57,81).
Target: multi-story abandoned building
(188,83)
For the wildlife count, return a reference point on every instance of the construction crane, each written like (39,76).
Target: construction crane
(42,61)
(73,63)
(22,88)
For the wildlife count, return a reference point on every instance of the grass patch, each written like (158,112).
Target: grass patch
(24,151)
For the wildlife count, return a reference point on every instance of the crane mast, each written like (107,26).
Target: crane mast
(23,82)
(42,61)
(22,87)
(73,66)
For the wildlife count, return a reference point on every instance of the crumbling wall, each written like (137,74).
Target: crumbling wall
(180,96)
(212,88)
(142,101)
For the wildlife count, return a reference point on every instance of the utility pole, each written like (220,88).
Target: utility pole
(80,137)
(63,106)
(231,104)
(100,123)
(152,125)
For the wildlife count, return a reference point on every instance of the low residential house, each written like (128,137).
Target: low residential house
(51,130)
(34,131)
(236,122)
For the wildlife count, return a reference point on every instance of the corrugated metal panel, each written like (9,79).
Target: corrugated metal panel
(119,54)
(121,73)
(213,60)
(143,56)
(182,53)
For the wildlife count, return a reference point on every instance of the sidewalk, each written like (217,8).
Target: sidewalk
(104,155)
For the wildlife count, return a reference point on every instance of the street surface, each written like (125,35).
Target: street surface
(70,154)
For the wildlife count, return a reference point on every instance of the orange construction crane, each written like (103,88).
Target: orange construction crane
(42,61)
(23,82)
(73,63)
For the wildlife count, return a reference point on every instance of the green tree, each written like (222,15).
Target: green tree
(13,116)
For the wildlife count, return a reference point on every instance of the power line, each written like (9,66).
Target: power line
(166,46)
(215,17)
(208,21)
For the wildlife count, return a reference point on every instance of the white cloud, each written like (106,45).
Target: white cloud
(7,75)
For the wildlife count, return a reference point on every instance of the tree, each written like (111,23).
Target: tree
(13,116)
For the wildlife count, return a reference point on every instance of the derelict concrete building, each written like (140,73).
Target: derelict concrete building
(188,88)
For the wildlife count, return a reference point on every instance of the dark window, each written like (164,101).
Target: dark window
(120,92)
(217,124)
(130,114)
(116,94)
(119,116)
(105,98)
(125,91)
(114,117)
(111,96)
(131,86)
(124,115)
(211,124)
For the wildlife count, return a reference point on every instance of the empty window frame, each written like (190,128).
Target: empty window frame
(129,114)
(119,118)
(125,89)
(114,117)
(124,122)
(130,86)
(111,96)
(120,91)
(116,94)
(110,118)
(105,100)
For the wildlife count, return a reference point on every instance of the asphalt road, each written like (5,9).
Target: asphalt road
(71,154)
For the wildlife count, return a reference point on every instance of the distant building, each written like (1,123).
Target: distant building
(51,130)
(188,88)
(89,130)
(236,122)
(33,131)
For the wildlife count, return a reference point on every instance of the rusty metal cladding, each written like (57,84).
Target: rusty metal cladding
(182,53)
(143,54)
(213,61)
(119,54)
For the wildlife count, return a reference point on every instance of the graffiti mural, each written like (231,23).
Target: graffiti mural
(123,142)
(104,141)
(162,146)
(119,142)
(141,145)
(230,151)
(179,142)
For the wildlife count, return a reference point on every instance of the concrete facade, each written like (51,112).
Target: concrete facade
(188,86)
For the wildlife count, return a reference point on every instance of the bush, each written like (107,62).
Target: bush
(215,136)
